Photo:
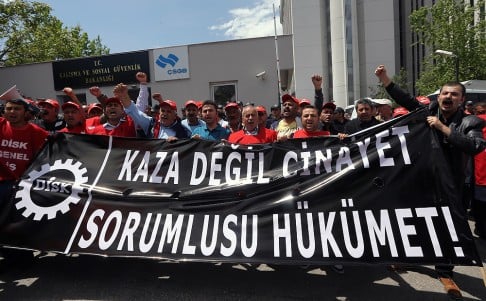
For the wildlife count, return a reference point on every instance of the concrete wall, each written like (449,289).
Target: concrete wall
(229,61)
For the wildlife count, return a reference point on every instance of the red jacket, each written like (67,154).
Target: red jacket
(264,136)
(480,162)
(305,134)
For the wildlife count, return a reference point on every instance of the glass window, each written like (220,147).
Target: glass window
(223,92)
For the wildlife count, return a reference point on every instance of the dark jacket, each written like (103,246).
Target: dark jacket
(356,125)
(465,140)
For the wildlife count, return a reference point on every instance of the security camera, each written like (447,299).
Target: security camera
(261,75)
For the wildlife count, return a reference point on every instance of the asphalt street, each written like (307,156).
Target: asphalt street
(83,277)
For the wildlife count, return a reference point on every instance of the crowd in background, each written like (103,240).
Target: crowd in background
(25,124)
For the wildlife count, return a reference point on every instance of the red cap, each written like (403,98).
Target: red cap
(94,106)
(231,105)
(287,97)
(113,99)
(70,104)
(50,102)
(304,102)
(329,105)
(172,104)
(423,100)
(261,109)
(191,102)
(400,111)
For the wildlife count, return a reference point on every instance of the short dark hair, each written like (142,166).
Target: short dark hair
(210,103)
(454,84)
(364,101)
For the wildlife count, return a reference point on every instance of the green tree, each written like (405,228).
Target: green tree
(29,34)
(455,26)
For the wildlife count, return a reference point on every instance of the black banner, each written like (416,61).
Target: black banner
(106,70)
(385,196)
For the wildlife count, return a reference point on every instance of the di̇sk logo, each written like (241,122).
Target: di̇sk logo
(61,193)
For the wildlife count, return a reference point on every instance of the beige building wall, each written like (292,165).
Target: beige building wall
(236,61)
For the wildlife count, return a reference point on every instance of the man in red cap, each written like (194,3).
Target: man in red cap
(168,126)
(49,118)
(192,120)
(290,121)
(117,123)
(74,117)
(94,110)
(262,116)
(233,116)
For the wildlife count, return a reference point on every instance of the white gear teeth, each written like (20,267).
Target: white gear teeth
(39,212)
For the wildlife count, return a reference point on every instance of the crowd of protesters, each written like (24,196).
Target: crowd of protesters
(26,124)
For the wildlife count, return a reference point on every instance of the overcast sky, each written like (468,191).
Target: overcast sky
(144,24)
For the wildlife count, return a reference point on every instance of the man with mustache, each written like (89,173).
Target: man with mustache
(251,132)
(460,137)
(192,120)
(290,121)
(310,124)
(117,123)
(233,116)
(74,117)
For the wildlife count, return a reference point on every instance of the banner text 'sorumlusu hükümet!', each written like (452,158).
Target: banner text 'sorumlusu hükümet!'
(384,196)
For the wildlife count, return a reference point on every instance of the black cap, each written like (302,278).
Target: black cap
(25,103)
(339,110)
(275,106)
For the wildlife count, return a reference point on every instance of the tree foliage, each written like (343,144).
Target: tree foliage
(455,26)
(29,34)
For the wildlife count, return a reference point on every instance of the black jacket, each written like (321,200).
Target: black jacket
(465,140)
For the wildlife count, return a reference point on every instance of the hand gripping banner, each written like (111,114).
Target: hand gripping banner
(385,195)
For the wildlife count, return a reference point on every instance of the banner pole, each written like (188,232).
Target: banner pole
(483,273)
(277,57)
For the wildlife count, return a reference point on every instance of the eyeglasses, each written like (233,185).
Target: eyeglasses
(261,113)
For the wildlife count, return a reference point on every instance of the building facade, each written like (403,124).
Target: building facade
(345,40)
(220,71)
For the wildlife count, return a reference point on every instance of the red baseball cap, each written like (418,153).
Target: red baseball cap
(231,105)
(261,109)
(51,102)
(304,101)
(70,104)
(94,106)
(191,102)
(172,104)
(287,97)
(423,100)
(113,99)
(400,111)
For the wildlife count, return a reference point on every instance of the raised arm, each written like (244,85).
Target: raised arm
(96,92)
(400,96)
(140,118)
(318,95)
(69,92)
(143,95)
